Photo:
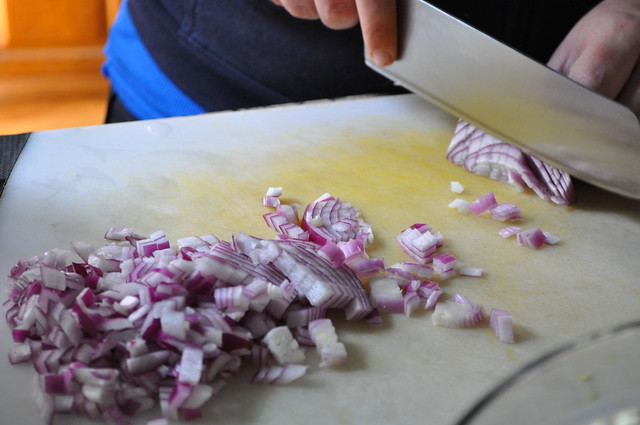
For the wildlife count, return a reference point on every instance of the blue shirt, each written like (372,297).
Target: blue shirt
(136,78)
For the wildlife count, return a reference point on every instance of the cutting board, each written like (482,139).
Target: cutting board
(386,155)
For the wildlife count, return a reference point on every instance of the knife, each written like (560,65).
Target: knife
(515,98)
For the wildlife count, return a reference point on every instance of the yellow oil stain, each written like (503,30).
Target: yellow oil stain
(395,179)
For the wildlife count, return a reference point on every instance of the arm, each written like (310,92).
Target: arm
(377,19)
(602,51)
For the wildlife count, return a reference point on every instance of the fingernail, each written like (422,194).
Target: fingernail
(382,58)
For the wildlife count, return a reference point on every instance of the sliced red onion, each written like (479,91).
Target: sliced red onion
(420,244)
(412,302)
(421,271)
(191,364)
(323,334)
(354,249)
(484,203)
(283,346)
(461,205)
(501,322)
(432,299)
(458,313)
(483,154)
(387,295)
(365,268)
(456,187)
(470,271)
(272,197)
(551,239)
(330,219)
(506,212)
(333,253)
(445,265)
(509,231)
(533,238)
(279,375)
(303,316)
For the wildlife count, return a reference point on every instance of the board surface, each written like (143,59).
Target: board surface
(386,155)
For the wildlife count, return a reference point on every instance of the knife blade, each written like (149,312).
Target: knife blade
(516,98)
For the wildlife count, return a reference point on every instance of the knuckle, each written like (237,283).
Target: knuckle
(303,9)
(338,14)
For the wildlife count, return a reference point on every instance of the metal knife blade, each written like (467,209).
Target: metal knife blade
(517,99)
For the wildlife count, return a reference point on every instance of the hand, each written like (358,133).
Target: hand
(377,19)
(602,51)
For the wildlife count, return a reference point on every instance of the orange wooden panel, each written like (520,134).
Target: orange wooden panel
(44,23)
(112,7)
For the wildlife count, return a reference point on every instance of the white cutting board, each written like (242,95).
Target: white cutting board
(386,155)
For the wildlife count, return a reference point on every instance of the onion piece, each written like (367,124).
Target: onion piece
(461,205)
(279,375)
(272,197)
(283,346)
(323,334)
(458,313)
(484,203)
(445,265)
(533,238)
(501,322)
(456,187)
(470,271)
(418,242)
(386,295)
(509,231)
(551,239)
(506,212)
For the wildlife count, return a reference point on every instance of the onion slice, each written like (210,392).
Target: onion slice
(484,154)
(501,322)
(458,313)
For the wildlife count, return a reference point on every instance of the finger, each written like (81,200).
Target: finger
(630,93)
(276,2)
(561,59)
(379,29)
(337,14)
(604,68)
(303,9)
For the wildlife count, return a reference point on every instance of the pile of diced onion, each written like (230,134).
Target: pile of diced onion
(137,322)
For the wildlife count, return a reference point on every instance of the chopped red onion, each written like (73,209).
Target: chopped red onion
(551,239)
(461,205)
(387,295)
(501,322)
(484,203)
(506,212)
(533,238)
(272,197)
(418,242)
(283,346)
(456,187)
(445,265)
(181,322)
(323,334)
(458,313)
(279,375)
(509,231)
(470,271)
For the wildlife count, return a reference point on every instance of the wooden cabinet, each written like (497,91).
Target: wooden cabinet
(50,56)
(54,23)
(42,39)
